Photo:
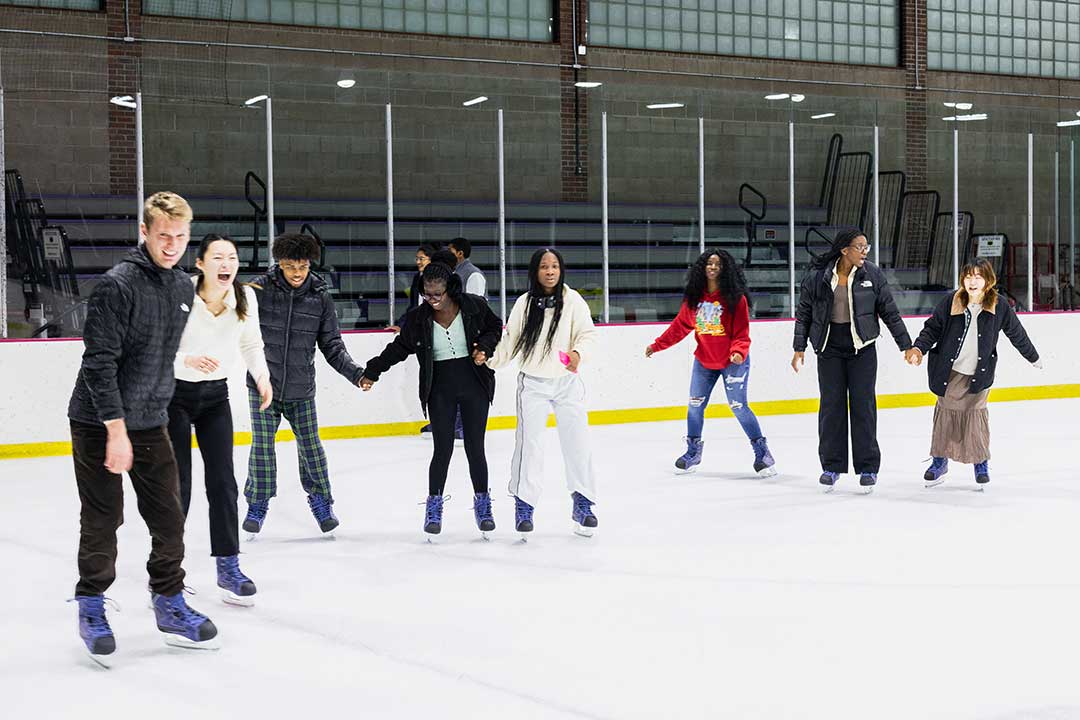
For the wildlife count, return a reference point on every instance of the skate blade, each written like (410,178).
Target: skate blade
(582,531)
(767,472)
(827,488)
(251,537)
(524,538)
(230,598)
(685,471)
(484,536)
(105,661)
(179,641)
(433,539)
(934,483)
(868,490)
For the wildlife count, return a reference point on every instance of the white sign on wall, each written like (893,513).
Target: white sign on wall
(991,246)
(53,242)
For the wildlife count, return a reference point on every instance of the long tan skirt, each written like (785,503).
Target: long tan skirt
(961,423)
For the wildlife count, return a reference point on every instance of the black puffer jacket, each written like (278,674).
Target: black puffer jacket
(134,321)
(294,322)
(871,299)
(943,335)
(482,329)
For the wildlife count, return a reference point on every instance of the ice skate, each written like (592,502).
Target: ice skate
(692,456)
(433,517)
(585,522)
(181,626)
(764,464)
(485,520)
(94,629)
(828,480)
(236,587)
(935,474)
(523,514)
(982,474)
(867,481)
(256,516)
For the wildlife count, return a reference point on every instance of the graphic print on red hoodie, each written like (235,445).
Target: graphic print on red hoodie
(719,330)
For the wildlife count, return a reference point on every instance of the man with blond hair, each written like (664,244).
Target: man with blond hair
(118,412)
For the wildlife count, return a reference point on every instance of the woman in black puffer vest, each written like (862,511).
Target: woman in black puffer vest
(843,296)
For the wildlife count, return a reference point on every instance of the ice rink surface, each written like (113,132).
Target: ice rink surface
(710,595)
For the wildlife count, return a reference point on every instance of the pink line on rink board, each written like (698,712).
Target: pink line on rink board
(367,331)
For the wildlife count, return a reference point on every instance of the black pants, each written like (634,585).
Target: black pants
(454,385)
(101,494)
(847,381)
(206,406)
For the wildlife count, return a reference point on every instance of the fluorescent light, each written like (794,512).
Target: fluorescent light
(346,83)
(1078,113)
(822,116)
(949,104)
(797,98)
(587,84)
(951,118)
(664,106)
(475,101)
(256,99)
(1068,123)
(123,101)
(777,96)
(964,106)
(965,118)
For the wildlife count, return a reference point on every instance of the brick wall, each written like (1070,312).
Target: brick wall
(913,50)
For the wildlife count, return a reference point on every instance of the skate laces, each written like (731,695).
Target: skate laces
(482,505)
(434,508)
(320,506)
(523,509)
(257,510)
(582,505)
(229,569)
(181,611)
(92,610)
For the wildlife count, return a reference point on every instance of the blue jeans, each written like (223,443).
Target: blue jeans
(736,379)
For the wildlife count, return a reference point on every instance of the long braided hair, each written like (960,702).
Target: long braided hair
(539,302)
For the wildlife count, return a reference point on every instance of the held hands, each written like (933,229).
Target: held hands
(266,392)
(202,363)
(365,383)
(737,358)
(798,360)
(913,356)
(479,356)
(575,360)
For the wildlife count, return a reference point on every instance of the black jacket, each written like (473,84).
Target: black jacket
(482,329)
(943,335)
(134,321)
(871,298)
(293,322)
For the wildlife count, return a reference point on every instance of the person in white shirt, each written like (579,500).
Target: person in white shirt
(549,332)
(222,329)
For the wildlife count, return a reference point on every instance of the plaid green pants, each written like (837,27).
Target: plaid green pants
(262,462)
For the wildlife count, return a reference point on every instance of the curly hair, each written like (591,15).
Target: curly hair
(732,281)
(296,246)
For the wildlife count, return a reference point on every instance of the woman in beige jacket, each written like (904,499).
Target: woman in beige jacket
(550,331)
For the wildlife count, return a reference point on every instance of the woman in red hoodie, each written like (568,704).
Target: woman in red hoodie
(716,307)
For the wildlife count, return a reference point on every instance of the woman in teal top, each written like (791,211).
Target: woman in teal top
(452,335)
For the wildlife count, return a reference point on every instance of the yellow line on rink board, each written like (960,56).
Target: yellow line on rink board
(596,417)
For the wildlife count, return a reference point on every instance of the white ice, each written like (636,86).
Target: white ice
(710,595)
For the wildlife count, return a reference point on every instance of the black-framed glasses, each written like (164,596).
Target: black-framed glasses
(433,297)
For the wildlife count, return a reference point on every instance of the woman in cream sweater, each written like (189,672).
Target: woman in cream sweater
(550,332)
(223,328)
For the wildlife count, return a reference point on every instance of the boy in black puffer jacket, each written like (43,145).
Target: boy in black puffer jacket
(297,315)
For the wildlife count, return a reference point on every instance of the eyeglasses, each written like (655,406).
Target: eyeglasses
(291,266)
(860,248)
(433,297)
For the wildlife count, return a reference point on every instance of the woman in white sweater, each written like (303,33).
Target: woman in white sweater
(550,331)
(223,327)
